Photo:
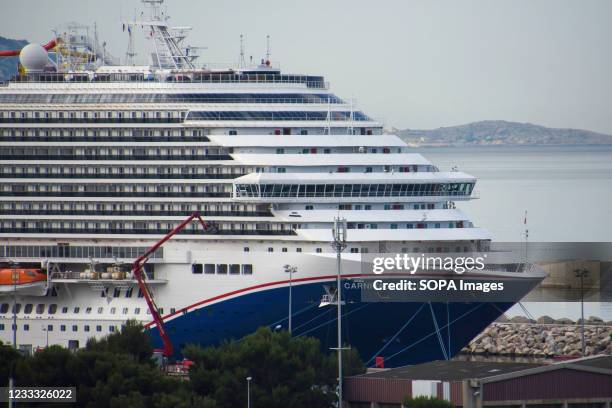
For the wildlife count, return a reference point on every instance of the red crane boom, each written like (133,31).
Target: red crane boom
(137,270)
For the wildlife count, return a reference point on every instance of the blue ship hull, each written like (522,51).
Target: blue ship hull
(401,333)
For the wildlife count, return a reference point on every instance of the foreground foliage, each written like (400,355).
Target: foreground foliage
(118,371)
(426,402)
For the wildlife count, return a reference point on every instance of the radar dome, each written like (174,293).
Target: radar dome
(33,57)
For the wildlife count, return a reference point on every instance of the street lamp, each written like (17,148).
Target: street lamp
(15,278)
(339,245)
(582,273)
(291,270)
(249,391)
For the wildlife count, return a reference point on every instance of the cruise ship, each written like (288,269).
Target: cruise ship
(100,160)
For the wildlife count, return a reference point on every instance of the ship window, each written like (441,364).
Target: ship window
(303,132)
(125,310)
(63,327)
(209,269)
(16,308)
(222,269)
(247,269)
(4,308)
(354,250)
(26,327)
(319,250)
(117,292)
(52,308)
(1,326)
(234,269)
(196,268)
(113,310)
(100,310)
(298,249)
(128,293)
(28,308)
(270,249)
(98,328)
(40,308)
(111,329)
(246,249)
(88,310)
(284,249)
(137,310)
(86,327)
(75,327)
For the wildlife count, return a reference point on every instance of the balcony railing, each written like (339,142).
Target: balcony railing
(138,231)
(211,176)
(113,157)
(138,213)
(104,139)
(111,194)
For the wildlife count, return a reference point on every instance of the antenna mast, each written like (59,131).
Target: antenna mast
(168,52)
(242,61)
(268,51)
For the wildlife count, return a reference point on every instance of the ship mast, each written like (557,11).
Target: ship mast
(168,52)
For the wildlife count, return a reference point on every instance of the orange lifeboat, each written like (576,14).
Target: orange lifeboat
(24,276)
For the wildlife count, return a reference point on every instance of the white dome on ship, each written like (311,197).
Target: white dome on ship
(33,57)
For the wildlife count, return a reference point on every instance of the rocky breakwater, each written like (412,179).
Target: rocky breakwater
(545,337)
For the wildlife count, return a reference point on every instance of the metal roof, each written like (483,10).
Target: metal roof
(454,370)
(601,364)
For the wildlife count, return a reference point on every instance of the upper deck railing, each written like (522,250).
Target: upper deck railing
(317,82)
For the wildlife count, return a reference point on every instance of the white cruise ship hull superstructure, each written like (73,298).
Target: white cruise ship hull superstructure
(97,165)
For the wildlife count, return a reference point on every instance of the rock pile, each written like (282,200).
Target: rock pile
(545,337)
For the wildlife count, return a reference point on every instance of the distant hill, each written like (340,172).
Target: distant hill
(499,132)
(8,65)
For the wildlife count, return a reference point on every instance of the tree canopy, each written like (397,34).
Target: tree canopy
(118,371)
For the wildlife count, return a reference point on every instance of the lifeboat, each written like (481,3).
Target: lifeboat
(26,281)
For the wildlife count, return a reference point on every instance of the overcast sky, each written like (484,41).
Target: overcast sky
(411,63)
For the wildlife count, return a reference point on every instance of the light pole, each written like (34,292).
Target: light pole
(582,273)
(291,269)
(15,278)
(339,245)
(249,391)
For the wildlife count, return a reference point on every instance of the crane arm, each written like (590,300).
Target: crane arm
(137,270)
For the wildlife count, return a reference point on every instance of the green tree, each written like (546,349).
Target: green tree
(287,371)
(130,340)
(426,402)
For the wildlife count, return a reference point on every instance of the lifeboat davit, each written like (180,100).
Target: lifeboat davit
(26,281)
